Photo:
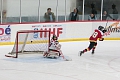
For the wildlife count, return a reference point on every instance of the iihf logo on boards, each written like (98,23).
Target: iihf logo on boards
(35,33)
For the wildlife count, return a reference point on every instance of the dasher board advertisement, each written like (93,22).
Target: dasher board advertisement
(5,33)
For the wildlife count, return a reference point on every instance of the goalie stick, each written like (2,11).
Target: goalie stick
(65,58)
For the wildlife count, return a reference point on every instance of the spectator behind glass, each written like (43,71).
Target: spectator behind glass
(92,17)
(74,15)
(49,16)
(115,12)
(106,15)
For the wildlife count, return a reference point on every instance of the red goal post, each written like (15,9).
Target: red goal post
(30,41)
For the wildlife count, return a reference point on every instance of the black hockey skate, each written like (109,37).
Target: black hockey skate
(81,52)
(93,51)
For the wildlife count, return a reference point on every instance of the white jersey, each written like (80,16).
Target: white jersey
(54,45)
(54,49)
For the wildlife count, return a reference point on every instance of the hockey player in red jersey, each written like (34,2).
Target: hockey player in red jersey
(54,48)
(98,34)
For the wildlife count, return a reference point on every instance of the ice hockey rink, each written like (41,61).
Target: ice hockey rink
(103,65)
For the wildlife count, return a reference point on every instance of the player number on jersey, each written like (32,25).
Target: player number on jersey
(95,34)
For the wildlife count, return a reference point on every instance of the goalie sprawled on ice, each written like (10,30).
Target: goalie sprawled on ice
(54,48)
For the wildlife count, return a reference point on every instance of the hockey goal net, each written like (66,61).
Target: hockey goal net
(30,41)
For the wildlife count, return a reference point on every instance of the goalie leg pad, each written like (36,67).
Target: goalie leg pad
(53,54)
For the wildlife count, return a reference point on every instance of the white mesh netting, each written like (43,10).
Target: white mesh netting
(29,41)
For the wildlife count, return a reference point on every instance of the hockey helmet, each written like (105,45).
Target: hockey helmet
(101,28)
(54,37)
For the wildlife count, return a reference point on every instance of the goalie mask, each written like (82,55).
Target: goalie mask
(54,37)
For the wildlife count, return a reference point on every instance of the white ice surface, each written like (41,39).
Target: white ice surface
(103,65)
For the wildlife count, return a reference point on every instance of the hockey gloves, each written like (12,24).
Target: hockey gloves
(101,39)
(104,31)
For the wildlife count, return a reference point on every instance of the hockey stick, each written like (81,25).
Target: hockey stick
(106,24)
(64,58)
(60,52)
(106,33)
